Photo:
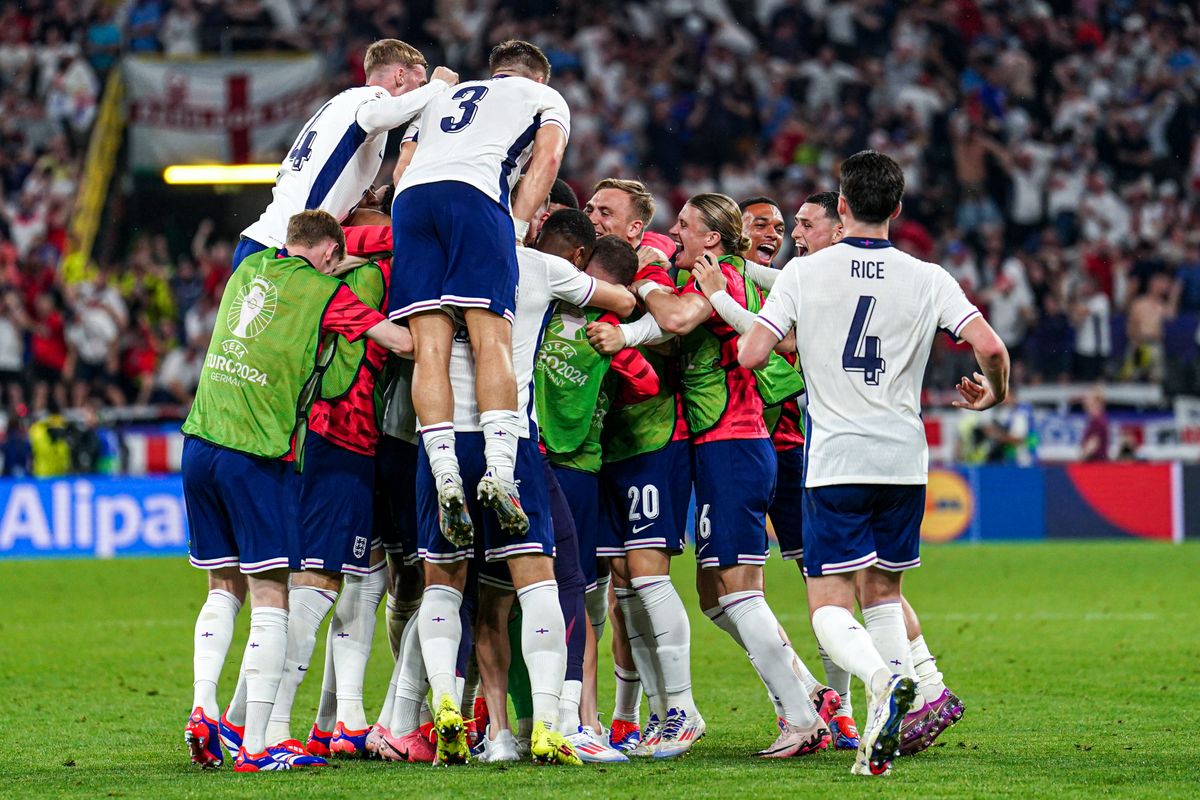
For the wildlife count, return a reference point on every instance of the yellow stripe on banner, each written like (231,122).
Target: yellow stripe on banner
(215,174)
(97,174)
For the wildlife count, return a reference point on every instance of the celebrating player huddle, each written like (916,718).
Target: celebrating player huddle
(445,407)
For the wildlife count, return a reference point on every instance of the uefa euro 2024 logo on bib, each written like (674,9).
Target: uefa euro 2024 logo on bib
(252,309)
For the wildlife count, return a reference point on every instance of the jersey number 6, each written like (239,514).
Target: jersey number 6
(861,353)
(470,97)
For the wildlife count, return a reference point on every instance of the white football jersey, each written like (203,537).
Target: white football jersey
(336,156)
(865,316)
(481,133)
(542,280)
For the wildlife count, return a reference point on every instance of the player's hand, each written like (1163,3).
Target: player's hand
(444,74)
(605,338)
(708,275)
(976,394)
(650,255)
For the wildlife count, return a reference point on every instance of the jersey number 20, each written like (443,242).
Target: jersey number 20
(861,353)
(470,97)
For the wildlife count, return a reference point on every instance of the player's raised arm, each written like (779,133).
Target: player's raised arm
(385,113)
(408,149)
(548,147)
(991,387)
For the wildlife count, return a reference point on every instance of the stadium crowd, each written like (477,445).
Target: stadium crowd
(1051,151)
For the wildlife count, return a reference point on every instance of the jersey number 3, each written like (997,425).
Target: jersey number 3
(861,353)
(470,97)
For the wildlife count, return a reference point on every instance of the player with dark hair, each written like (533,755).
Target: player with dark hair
(867,460)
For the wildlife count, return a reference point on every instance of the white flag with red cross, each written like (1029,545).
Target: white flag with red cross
(217,111)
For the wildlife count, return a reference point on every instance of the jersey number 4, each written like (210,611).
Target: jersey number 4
(470,97)
(861,353)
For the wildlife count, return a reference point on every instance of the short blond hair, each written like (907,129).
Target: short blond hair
(641,199)
(310,228)
(392,52)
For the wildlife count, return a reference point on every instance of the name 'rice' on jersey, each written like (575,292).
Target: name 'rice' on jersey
(865,315)
(481,134)
(336,156)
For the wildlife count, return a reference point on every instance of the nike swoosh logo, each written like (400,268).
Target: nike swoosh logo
(640,528)
(302,669)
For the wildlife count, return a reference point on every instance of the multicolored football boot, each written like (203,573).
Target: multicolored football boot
(451,734)
(651,738)
(794,741)
(501,496)
(453,520)
(347,743)
(844,732)
(231,735)
(880,743)
(551,747)
(827,702)
(291,752)
(624,736)
(594,749)
(258,762)
(318,742)
(203,738)
(679,733)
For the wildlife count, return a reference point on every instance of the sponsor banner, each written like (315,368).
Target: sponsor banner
(1189,498)
(92,517)
(1095,501)
(1059,436)
(219,110)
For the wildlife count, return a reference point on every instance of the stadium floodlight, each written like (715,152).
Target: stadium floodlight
(213,174)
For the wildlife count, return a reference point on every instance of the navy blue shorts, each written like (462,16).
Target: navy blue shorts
(855,526)
(337,500)
(787,507)
(396,497)
(454,248)
(241,509)
(582,494)
(735,480)
(649,495)
(246,248)
(531,477)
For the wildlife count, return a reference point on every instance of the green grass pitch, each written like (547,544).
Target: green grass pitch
(1079,665)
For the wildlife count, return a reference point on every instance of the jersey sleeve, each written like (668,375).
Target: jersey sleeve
(348,316)
(553,111)
(655,273)
(782,308)
(637,379)
(569,284)
(365,240)
(951,305)
(384,112)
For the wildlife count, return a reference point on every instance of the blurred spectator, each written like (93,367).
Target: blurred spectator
(48,349)
(1148,317)
(1094,446)
(179,374)
(18,455)
(92,335)
(1093,331)
(51,449)
(13,325)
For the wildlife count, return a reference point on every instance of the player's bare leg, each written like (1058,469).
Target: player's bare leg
(433,400)
(744,605)
(493,655)
(544,648)
(496,396)
(213,635)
